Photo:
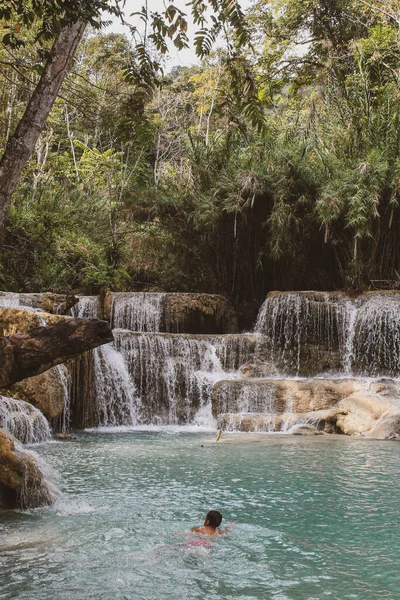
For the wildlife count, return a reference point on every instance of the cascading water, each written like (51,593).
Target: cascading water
(137,311)
(306,333)
(9,300)
(23,421)
(86,308)
(111,395)
(175,373)
(116,399)
(375,344)
(151,377)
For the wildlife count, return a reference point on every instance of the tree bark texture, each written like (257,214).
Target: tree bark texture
(22,143)
(24,355)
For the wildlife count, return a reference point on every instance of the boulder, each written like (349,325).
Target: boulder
(387,427)
(46,391)
(27,354)
(22,483)
(359,412)
(20,320)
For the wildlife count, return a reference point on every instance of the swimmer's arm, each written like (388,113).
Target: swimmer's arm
(230,526)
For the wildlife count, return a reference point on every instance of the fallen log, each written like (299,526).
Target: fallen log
(26,354)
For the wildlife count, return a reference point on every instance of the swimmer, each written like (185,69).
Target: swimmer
(211,524)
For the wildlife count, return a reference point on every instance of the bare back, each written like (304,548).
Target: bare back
(206,530)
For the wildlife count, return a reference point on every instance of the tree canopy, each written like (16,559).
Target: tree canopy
(176,186)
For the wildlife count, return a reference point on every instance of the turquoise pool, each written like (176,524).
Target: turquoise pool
(317,518)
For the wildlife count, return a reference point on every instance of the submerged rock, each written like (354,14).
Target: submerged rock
(64,437)
(306,430)
(22,483)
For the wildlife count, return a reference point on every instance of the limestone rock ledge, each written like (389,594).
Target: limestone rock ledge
(22,483)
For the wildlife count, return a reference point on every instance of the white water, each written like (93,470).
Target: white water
(175,373)
(137,311)
(23,421)
(86,308)
(359,336)
(9,300)
(116,397)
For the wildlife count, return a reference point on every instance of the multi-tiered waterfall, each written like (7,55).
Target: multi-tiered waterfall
(149,376)
(309,352)
(326,359)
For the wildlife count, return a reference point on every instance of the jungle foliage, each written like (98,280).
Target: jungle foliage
(178,187)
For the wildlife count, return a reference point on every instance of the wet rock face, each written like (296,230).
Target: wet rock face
(278,396)
(22,420)
(22,483)
(199,313)
(59,304)
(170,312)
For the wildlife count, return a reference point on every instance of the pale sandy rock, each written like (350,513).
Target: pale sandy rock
(280,395)
(277,422)
(387,427)
(359,412)
(20,320)
(45,391)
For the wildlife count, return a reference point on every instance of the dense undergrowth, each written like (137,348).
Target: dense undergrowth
(175,190)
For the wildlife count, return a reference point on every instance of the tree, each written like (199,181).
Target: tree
(67,21)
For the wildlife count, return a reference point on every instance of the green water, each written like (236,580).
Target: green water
(317,518)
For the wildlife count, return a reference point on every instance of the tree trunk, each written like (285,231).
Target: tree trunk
(26,354)
(22,143)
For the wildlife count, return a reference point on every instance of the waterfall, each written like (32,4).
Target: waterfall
(86,308)
(137,311)
(175,373)
(9,300)
(376,338)
(115,395)
(304,330)
(305,333)
(23,421)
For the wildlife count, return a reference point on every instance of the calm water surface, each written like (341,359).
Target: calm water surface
(317,518)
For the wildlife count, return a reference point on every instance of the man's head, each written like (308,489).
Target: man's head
(213,519)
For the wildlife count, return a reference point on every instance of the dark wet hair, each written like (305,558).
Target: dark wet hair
(214,518)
